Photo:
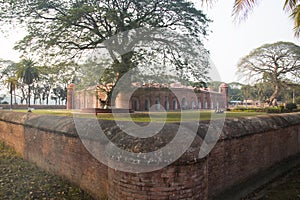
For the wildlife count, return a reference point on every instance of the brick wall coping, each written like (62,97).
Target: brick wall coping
(240,127)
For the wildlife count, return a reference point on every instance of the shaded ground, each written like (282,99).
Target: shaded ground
(20,179)
(286,187)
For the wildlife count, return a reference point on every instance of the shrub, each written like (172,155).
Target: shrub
(273,110)
(291,106)
(281,108)
(297,100)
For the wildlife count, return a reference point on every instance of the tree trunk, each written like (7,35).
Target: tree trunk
(11,95)
(275,94)
(28,95)
(15,96)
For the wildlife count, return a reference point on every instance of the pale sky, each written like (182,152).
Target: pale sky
(229,41)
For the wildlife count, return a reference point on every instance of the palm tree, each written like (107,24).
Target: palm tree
(242,8)
(27,72)
(12,85)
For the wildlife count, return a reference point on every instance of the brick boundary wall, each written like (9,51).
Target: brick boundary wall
(244,158)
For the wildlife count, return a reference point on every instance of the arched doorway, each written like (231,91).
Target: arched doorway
(199,104)
(147,104)
(205,105)
(175,105)
(184,104)
(167,104)
(157,104)
(193,106)
(135,104)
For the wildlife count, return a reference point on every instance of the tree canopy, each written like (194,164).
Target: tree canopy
(271,63)
(68,27)
(67,30)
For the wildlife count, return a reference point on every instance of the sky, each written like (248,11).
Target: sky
(228,42)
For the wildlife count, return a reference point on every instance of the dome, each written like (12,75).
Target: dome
(224,85)
(71,85)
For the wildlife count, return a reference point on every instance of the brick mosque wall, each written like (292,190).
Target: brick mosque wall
(248,148)
(143,97)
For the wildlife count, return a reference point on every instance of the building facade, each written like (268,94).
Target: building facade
(152,97)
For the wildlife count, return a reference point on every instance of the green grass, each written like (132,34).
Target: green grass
(172,116)
(177,116)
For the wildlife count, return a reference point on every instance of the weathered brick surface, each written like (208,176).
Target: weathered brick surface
(246,147)
(172,182)
(253,147)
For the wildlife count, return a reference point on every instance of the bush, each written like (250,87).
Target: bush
(281,108)
(273,110)
(297,100)
(291,106)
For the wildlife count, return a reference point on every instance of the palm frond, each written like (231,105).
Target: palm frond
(296,18)
(241,8)
(289,5)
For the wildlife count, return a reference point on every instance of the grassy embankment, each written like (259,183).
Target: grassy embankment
(155,116)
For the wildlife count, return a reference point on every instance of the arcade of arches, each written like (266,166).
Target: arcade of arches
(157,98)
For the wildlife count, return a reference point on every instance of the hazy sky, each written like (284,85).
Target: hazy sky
(229,41)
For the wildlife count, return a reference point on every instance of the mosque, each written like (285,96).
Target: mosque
(156,97)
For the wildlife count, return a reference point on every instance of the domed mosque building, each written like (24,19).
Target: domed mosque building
(154,97)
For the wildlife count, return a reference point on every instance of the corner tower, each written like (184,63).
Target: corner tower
(223,89)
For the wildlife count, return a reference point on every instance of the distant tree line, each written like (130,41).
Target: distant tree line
(35,84)
(259,91)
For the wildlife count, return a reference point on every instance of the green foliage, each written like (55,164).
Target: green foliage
(291,106)
(266,110)
(281,108)
(234,91)
(27,72)
(65,30)
(297,100)
(271,64)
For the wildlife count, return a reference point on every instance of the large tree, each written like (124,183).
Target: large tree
(67,28)
(271,63)
(60,27)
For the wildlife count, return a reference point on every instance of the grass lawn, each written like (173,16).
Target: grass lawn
(172,116)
